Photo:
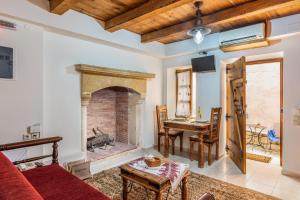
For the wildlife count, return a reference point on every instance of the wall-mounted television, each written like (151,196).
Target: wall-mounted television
(204,64)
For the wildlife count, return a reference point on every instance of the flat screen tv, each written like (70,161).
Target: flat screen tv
(204,64)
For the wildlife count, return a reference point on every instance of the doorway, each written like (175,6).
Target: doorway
(246,126)
(264,110)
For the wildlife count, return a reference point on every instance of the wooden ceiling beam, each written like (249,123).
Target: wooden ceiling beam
(138,14)
(221,17)
(59,6)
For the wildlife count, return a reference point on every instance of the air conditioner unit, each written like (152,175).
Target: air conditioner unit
(7,25)
(243,35)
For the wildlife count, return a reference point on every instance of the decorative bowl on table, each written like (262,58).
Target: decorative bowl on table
(153,162)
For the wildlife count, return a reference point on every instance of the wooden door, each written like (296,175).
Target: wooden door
(236,112)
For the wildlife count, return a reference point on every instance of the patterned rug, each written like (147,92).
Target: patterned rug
(110,183)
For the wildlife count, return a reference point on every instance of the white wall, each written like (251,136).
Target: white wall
(263,95)
(21,98)
(211,92)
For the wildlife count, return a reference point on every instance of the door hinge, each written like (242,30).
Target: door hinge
(227,148)
(227,70)
(242,153)
(228,117)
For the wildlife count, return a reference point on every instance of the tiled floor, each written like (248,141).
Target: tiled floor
(262,177)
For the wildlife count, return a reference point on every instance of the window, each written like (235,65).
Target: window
(184,80)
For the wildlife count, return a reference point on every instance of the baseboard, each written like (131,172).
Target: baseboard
(290,173)
(148,147)
(71,157)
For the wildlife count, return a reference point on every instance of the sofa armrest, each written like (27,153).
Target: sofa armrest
(37,142)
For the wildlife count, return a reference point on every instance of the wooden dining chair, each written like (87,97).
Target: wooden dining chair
(162,115)
(211,136)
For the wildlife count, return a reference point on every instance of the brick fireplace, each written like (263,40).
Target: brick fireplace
(112,103)
(113,111)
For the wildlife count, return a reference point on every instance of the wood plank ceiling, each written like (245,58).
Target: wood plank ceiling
(167,21)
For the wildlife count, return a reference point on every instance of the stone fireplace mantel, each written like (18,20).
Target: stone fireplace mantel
(94,78)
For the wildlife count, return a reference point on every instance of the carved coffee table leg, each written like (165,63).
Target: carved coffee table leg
(159,196)
(184,193)
(166,143)
(201,151)
(124,188)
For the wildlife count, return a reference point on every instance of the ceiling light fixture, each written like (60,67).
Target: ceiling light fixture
(199,31)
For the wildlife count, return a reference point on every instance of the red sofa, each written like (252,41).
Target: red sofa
(50,182)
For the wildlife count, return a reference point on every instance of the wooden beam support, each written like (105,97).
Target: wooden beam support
(59,6)
(138,14)
(221,17)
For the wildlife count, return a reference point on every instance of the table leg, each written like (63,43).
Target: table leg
(252,137)
(124,188)
(166,143)
(259,138)
(159,196)
(184,193)
(201,152)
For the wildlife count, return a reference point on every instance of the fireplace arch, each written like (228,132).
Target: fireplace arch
(95,79)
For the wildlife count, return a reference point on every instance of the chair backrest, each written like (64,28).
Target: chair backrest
(161,115)
(271,134)
(215,122)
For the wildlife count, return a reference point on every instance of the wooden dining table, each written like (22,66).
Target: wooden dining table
(187,126)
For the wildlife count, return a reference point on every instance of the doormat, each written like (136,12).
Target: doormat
(260,158)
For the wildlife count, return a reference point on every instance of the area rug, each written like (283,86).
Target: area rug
(110,183)
(260,158)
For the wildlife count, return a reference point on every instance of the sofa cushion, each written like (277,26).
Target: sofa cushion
(55,183)
(14,186)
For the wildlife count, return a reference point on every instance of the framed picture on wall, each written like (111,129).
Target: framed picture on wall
(7,70)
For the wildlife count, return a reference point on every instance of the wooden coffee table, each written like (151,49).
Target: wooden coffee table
(158,184)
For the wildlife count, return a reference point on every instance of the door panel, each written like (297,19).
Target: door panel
(236,112)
